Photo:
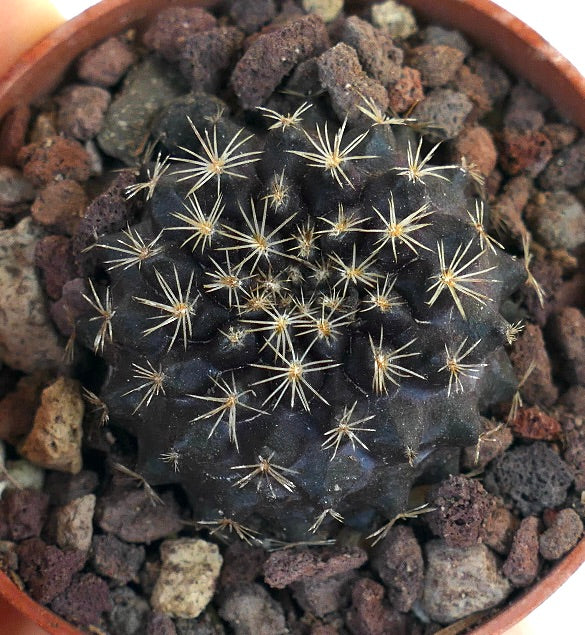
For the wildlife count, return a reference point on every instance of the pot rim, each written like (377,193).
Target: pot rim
(514,44)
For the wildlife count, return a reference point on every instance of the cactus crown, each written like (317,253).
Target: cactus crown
(305,319)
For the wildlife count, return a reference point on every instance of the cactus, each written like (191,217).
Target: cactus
(305,320)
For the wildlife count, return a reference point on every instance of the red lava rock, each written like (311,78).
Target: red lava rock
(13,134)
(160,624)
(472,85)
(171,28)
(508,208)
(241,563)
(116,559)
(25,512)
(46,569)
(369,615)
(527,152)
(106,64)
(539,387)
(320,597)
(17,408)
(84,600)
(446,110)
(560,136)
(437,64)
(284,567)
(342,76)
(375,49)
(407,91)
(82,110)
(566,169)
(461,507)
(399,562)
(59,206)
(63,488)
(521,565)
(131,516)
(495,80)
(54,257)
(548,271)
(525,109)
(54,159)
(109,212)
(498,529)
(532,477)
(206,55)
(250,15)
(562,535)
(273,55)
(533,423)
(476,144)
(567,333)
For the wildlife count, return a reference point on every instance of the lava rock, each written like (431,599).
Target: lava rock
(131,515)
(172,27)
(64,488)
(343,77)
(557,219)
(532,477)
(273,55)
(521,565)
(461,581)
(54,159)
(566,169)
(160,624)
(524,151)
(249,610)
(54,257)
(28,341)
(129,612)
(14,187)
(562,535)
(190,568)
(476,144)
(84,600)
(375,49)
(533,423)
(107,63)
(320,597)
(25,512)
(59,206)
(539,387)
(116,559)
(396,19)
(369,614)
(445,110)
(436,63)
(46,569)
(406,91)
(499,528)
(461,506)
(284,567)
(75,523)
(146,89)
(82,110)
(55,440)
(250,15)
(567,332)
(398,561)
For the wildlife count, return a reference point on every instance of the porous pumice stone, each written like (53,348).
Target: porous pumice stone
(304,320)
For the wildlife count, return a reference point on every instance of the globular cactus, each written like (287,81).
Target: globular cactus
(304,321)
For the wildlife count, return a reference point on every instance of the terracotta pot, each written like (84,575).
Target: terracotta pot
(511,42)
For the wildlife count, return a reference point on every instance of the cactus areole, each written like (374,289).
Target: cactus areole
(305,320)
